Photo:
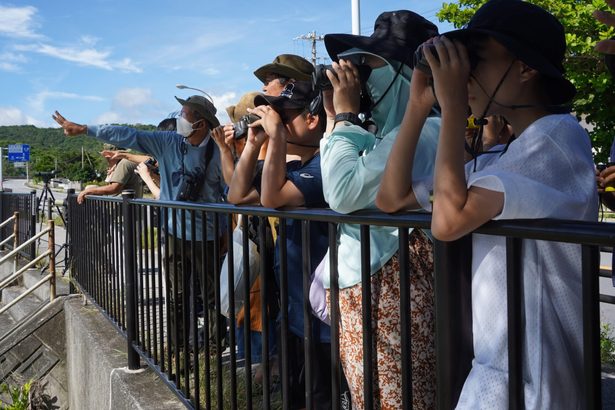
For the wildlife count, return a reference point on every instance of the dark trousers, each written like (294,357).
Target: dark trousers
(190,281)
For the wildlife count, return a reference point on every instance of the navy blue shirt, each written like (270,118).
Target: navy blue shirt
(307,178)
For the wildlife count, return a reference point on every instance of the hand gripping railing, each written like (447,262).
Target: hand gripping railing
(51,276)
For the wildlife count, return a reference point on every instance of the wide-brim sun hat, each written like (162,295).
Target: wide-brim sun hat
(531,34)
(396,35)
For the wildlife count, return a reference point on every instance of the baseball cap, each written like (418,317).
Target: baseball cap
(297,95)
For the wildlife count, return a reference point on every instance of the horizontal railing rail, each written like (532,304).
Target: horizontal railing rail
(124,250)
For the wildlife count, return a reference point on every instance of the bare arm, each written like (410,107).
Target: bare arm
(457,210)
(276,190)
(220,135)
(111,189)
(136,158)
(241,190)
(147,177)
(395,192)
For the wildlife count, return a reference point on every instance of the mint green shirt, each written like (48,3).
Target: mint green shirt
(352,164)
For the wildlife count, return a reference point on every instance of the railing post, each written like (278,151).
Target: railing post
(16,239)
(131,275)
(52,260)
(453,300)
(68,260)
(34,207)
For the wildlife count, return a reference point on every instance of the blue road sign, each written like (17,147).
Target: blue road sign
(19,152)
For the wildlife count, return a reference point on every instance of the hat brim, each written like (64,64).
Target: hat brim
(281,69)
(560,89)
(209,117)
(389,49)
(280,103)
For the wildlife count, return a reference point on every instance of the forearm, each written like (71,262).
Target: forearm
(395,192)
(274,174)
(136,158)
(144,141)
(110,189)
(241,181)
(151,185)
(450,194)
(227,165)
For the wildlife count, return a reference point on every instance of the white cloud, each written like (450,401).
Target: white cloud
(37,102)
(14,116)
(132,106)
(18,22)
(221,102)
(86,56)
(11,61)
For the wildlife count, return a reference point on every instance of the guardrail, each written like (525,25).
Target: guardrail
(25,204)
(120,263)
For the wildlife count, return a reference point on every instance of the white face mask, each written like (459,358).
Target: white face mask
(184,127)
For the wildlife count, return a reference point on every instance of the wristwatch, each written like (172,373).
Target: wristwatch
(349,117)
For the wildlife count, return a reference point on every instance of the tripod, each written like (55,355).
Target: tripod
(47,196)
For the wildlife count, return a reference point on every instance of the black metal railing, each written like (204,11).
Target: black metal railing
(25,204)
(122,263)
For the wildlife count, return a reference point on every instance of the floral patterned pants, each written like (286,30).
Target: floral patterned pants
(386,331)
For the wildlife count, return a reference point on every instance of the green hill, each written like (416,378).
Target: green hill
(50,149)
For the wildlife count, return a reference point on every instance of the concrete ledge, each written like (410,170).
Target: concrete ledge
(96,365)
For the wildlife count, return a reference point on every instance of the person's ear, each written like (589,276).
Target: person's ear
(527,73)
(311,121)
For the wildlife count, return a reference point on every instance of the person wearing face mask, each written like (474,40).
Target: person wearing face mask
(189,166)
(353,160)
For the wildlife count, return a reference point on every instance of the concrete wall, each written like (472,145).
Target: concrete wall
(96,365)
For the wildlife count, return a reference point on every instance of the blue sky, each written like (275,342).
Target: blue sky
(99,61)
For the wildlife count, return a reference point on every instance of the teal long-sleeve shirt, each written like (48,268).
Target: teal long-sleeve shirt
(352,165)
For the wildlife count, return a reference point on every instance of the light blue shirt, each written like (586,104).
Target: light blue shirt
(352,165)
(172,151)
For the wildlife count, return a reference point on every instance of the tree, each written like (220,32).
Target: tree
(595,99)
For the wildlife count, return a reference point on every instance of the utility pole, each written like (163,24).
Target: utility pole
(356,17)
(313,38)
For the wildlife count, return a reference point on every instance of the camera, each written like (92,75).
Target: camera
(320,81)
(420,62)
(190,188)
(241,127)
(152,165)
(601,166)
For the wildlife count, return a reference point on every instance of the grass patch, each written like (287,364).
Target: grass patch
(607,345)
(17,395)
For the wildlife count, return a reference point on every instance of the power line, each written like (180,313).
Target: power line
(313,38)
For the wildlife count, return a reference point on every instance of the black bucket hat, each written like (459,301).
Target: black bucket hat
(396,35)
(529,32)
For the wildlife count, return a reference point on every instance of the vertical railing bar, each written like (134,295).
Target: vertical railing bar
(246,312)
(592,379)
(193,308)
(514,282)
(233,323)
(147,272)
(216,275)
(185,303)
(162,301)
(152,305)
(205,287)
(133,356)
(336,374)
(366,302)
(176,301)
(264,289)
(405,319)
(284,312)
(307,316)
